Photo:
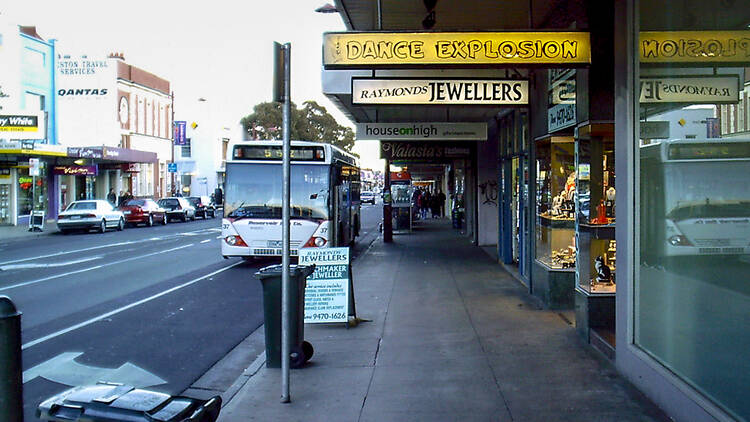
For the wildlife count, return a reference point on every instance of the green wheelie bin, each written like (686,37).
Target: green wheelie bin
(270,277)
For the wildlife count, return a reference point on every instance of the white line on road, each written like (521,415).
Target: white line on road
(124,308)
(52,264)
(52,277)
(68,252)
(205,241)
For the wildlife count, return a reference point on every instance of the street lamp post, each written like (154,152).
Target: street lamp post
(172,148)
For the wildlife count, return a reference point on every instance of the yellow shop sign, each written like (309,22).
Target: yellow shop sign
(353,49)
(695,47)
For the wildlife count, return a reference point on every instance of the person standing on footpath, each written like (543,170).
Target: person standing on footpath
(121,199)
(441,202)
(111,197)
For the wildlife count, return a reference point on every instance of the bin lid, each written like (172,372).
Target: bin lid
(275,271)
(116,402)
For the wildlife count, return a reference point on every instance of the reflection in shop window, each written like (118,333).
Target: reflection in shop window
(692,289)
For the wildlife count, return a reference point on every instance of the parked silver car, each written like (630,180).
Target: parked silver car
(177,208)
(90,214)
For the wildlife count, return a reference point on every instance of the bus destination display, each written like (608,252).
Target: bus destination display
(265,152)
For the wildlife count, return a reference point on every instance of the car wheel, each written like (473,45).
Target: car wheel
(184,217)
(121,225)
(164,220)
(64,231)
(150,220)
(103,226)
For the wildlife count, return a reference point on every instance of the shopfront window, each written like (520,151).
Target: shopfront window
(32,191)
(692,289)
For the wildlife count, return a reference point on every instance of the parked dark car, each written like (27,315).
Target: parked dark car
(203,206)
(143,211)
(177,208)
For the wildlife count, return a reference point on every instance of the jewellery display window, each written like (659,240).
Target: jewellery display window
(555,202)
(595,214)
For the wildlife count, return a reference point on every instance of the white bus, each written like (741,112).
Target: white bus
(695,197)
(324,192)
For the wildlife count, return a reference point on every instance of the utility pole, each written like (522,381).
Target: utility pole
(173,191)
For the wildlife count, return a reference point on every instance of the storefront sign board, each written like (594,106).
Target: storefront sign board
(32,148)
(694,47)
(440,91)
(361,49)
(327,291)
(75,170)
(690,89)
(23,125)
(83,152)
(423,151)
(422,131)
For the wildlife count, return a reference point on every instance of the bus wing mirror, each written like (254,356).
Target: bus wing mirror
(314,196)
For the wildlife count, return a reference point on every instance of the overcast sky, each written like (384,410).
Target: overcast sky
(218,49)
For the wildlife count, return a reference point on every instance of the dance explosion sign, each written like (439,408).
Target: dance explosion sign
(344,49)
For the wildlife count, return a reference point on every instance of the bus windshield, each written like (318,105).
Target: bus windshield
(254,191)
(707,189)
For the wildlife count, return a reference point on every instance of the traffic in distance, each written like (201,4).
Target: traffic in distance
(101,215)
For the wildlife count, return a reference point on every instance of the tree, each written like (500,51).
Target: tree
(310,123)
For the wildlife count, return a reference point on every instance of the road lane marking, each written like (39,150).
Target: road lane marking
(124,308)
(63,369)
(69,252)
(205,241)
(52,277)
(52,264)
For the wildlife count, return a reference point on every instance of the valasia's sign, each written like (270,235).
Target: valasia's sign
(695,47)
(690,89)
(439,91)
(349,49)
(75,170)
(422,131)
(421,151)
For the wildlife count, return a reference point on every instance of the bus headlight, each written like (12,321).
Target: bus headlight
(315,242)
(679,240)
(234,241)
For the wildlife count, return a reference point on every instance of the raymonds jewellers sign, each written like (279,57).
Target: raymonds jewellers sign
(440,91)
(439,131)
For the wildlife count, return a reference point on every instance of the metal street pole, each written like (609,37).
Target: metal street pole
(285,284)
(11,378)
(172,190)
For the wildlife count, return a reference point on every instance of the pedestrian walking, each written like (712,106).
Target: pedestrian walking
(441,202)
(121,199)
(112,197)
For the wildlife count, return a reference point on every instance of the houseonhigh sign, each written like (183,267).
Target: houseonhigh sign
(363,49)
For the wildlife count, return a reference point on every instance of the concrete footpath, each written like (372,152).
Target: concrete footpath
(452,337)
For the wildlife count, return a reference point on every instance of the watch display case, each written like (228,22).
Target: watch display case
(555,203)
(595,215)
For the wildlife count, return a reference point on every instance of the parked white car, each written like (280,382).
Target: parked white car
(90,214)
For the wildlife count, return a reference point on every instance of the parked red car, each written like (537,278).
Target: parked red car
(143,211)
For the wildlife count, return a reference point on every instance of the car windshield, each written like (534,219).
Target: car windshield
(135,203)
(82,206)
(194,200)
(169,203)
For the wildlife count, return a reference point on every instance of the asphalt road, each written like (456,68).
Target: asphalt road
(156,306)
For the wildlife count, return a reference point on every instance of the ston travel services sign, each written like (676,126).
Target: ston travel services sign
(440,91)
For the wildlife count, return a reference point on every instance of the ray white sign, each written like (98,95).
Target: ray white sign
(440,91)
(690,89)
(422,131)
